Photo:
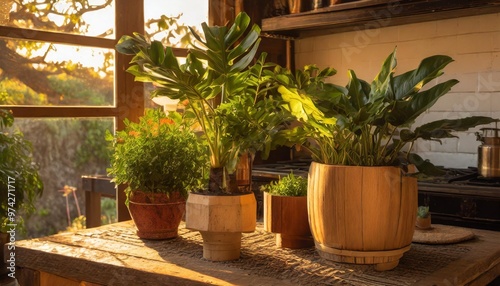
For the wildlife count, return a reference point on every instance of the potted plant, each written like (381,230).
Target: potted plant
(285,212)
(20,182)
(230,99)
(423,217)
(361,201)
(160,159)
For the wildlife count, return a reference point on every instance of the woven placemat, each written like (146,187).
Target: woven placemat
(442,234)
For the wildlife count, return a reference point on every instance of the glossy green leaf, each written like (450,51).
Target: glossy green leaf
(443,128)
(406,111)
(237,30)
(382,82)
(412,81)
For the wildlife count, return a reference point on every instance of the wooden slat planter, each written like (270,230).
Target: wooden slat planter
(287,217)
(362,215)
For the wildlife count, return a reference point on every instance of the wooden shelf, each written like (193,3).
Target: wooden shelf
(370,14)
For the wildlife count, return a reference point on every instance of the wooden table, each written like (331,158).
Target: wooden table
(114,255)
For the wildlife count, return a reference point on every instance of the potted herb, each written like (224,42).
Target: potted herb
(423,217)
(231,101)
(361,201)
(160,159)
(285,212)
(20,182)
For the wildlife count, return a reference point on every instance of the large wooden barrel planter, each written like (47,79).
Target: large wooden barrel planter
(362,215)
(221,220)
(286,216)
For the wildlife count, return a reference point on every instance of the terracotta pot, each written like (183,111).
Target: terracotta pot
(156,216)
(362,215)
(423,223)
(287,217)
(221,220)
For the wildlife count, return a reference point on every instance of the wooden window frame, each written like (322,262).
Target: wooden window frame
(129,94)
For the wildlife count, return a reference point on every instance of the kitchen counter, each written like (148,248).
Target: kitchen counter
(114,255)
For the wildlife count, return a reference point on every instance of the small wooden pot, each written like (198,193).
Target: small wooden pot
(156,216)
(423,223)
(287,217)
(221,220)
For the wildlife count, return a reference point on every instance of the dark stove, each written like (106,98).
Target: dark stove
(275,171)
(460,197)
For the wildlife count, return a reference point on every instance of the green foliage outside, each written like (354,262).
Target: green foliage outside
(108,211)
(87,90)
(93,148)
(20,182)
(13,92)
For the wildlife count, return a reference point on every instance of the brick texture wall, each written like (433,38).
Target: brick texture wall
(473,42)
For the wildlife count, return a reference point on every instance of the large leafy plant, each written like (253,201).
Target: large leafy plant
(226,90)
(159,154)
(20,182)
(368,124)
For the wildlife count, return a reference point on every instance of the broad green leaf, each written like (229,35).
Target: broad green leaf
(425,166)
(237,30)
(405,111)
(246,60)
(442,128)
(252,38)
(127,45)
(382,82)
(327,72)
(412,81)
(212,42)
(170,61)
(156,52)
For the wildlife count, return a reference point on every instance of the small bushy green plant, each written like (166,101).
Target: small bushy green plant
(20,182)
(291,185)
(159,154)
(423,212)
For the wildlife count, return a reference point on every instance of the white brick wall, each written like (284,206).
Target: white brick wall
(473,42)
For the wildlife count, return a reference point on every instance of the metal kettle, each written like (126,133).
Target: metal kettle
(488,161)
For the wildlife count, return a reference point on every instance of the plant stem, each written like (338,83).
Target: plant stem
(67,211)
(387,144)
(76,203)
